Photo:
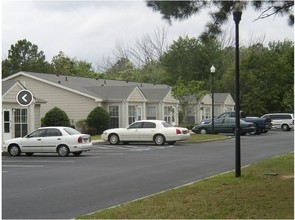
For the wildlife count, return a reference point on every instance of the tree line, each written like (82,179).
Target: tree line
(266,72)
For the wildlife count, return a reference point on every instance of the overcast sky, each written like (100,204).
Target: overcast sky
(89,30)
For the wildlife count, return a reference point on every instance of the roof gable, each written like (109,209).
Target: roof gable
(219,98)
(14,86)
(9,86)
(136,95)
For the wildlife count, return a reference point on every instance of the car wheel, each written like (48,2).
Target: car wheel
(285,127)
(258,131)
(78,153)
(114,139)
(159,139)
(63,151)
(254,131)
(14,150)
(203,131)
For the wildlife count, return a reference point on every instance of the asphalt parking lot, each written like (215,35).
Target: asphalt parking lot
(48,186)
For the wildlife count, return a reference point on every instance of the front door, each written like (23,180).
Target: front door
(7,124)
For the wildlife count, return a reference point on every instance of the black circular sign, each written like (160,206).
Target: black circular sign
(24,98)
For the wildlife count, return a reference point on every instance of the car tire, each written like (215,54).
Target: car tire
(285,127)
(257,130)
(63,151)
(114,139)
(203,131)
(14,150)
(159,139)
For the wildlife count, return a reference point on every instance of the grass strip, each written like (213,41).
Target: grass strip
(193,138)
(265,191)
(206,137)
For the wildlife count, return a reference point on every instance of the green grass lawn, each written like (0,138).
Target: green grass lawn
(264,191)
(206,137)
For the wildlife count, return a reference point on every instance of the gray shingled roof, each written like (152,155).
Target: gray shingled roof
(6,85)
(105,89)
(220,97)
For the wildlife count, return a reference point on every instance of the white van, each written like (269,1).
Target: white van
(285,121)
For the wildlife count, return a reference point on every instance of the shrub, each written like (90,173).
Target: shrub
(98,119)
(82,126)
(56,117)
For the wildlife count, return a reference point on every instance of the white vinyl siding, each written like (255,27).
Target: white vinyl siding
(75,105)
(11,95)
(136,96)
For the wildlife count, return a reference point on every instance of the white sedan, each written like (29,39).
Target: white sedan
(61,140)
(146,130)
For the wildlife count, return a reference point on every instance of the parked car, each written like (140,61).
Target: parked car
(284,121)
(224,125)
(262,124)
(61,140)
(146,130)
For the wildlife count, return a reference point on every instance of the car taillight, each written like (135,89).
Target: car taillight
(178,131)
(80,140)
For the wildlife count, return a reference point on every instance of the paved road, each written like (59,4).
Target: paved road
(47,186)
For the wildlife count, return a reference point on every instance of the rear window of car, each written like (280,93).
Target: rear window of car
(53,133)
(166,124)
(71,131)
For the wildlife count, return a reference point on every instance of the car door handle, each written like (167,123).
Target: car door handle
(58,139)
(39,139)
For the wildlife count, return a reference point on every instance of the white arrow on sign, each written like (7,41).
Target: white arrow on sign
(24,97)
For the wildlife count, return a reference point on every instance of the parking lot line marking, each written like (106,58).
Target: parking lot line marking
(37,161)
(23,166)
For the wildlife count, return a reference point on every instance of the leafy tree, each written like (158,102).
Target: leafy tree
(121,65)
(99,119)
(190,59)
(24,56)
(153,72)
(266,78)
(188,94)
(63,64)
(184,9)
(56,117)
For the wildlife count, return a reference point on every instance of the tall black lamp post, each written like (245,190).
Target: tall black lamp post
(212,70)
(237,18)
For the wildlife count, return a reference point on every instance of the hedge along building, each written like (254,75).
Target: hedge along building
(125,101)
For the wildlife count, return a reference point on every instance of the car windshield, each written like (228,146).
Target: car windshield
(71,131)
(166,124)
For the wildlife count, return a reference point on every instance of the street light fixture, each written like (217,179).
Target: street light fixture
(237,14)
(212,70)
